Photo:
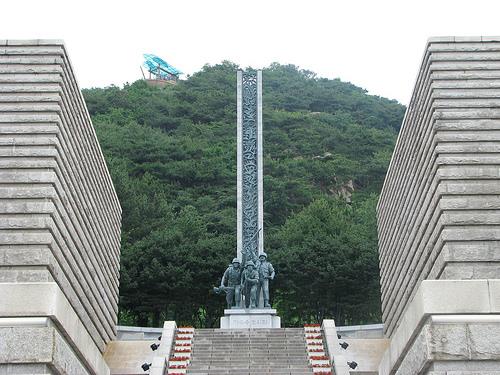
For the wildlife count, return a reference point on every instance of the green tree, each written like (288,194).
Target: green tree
(327,264)
(172,156)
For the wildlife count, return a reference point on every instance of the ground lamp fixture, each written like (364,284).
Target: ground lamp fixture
(352,364)
(344,345)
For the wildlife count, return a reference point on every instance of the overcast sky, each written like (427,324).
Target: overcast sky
(374,44)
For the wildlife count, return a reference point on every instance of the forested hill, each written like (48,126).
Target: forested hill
(172,156)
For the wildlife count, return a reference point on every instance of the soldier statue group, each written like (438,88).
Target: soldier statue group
(247,283)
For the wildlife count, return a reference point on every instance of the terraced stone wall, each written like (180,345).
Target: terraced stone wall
(439,210)
(59,213)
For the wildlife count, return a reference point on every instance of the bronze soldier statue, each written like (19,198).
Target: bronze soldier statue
(232,278)
(266,273)
(249,283)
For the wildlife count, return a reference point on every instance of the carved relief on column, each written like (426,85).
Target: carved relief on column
(249,167)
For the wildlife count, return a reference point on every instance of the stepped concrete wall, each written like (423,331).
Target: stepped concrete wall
(439,209)
(59,213)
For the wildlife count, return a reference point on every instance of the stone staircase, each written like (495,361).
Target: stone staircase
(244,352)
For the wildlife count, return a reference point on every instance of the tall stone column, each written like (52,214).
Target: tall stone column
(250,201)
(250,218)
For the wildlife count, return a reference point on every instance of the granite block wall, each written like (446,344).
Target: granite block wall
(59,213)
(439,210)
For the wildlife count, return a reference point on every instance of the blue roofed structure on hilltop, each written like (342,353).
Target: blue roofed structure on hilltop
(160,72)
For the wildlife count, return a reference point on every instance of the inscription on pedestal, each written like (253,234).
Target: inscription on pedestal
(250,318)
(251,321)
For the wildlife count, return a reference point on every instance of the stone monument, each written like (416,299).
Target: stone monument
(253,310)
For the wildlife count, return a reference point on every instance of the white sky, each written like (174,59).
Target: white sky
(374,44)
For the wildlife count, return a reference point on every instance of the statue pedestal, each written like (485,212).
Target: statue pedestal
(250,318)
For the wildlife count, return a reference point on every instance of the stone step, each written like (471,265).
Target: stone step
(253,370)
(225,338)
(290,334)
(275,365)
(265,337)
(250,358)
(247,348)
(256,361)
(261,354)
(247,359)
(302,340)
(251,355)
(246,339)
(286,360)
(249,368)
(241,344)
(219,331)
(251,338)
(263,368)
(206,343)
(250,372)
(249,352)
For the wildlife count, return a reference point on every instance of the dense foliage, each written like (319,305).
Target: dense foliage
(172,155)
